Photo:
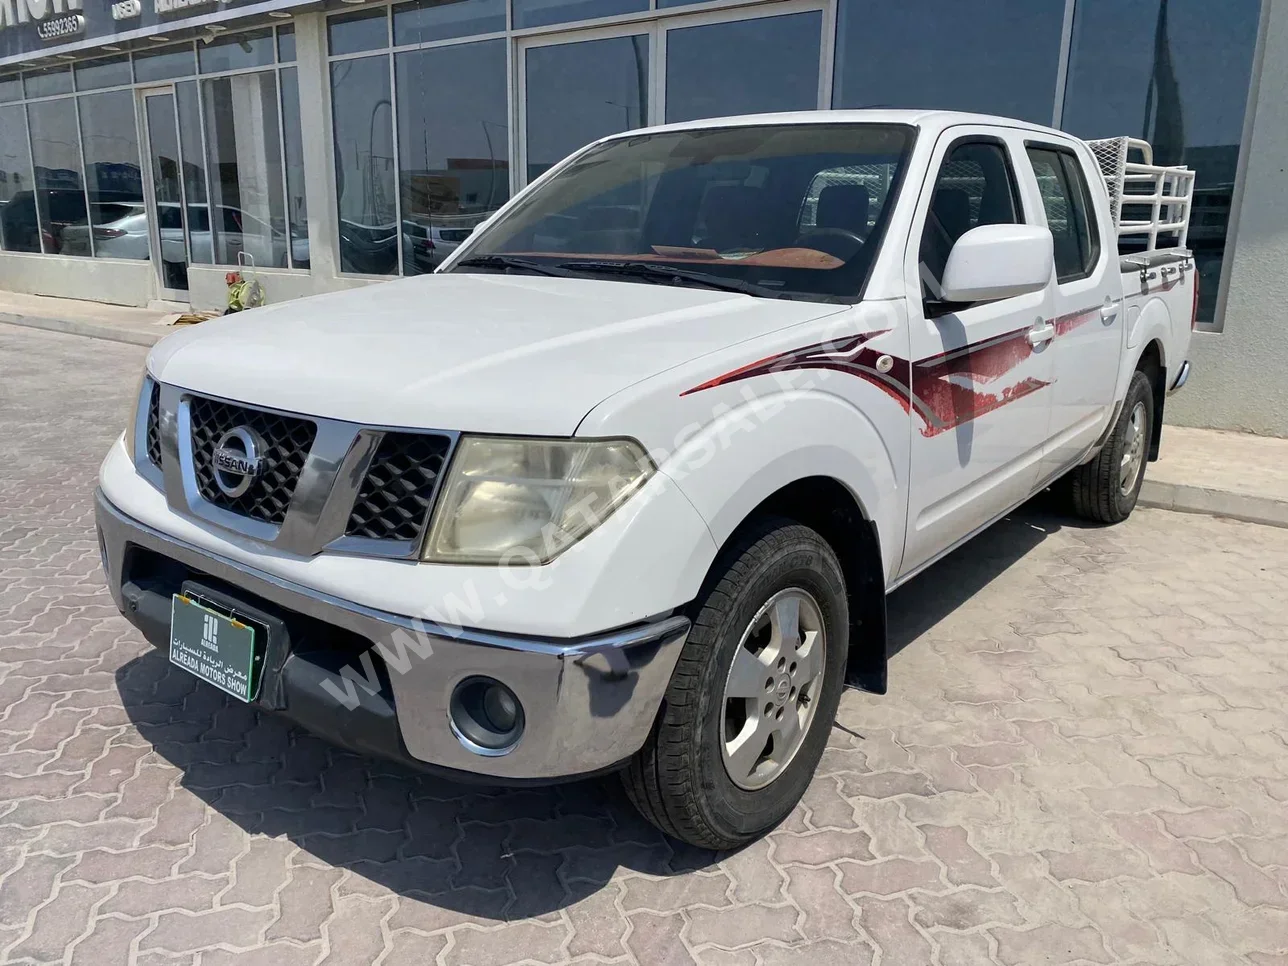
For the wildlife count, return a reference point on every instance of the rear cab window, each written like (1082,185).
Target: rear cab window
(1066,200)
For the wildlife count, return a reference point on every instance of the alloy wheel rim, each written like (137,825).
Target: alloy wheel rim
(1133,460)
(772,688)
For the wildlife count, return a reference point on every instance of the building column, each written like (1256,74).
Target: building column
(1238,380)
(319,158)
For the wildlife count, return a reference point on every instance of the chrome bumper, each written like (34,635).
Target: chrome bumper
(589,703)
(1182,377)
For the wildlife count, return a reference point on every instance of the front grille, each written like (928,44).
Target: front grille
(287,439)
(394,499)
(154,426)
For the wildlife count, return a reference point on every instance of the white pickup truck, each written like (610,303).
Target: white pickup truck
(623,486)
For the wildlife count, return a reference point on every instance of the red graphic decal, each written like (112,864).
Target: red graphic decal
(944,389)
(945,386)
(1065,324)
(845,354)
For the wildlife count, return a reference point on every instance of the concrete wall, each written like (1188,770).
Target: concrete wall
(208,289)
(1240,378)
(116,281)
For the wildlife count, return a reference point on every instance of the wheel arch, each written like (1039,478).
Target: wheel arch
(1152,361)
(830,508)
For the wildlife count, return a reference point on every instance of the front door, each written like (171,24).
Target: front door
(165,195)
(980,375)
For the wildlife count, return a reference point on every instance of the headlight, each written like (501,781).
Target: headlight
(528,500)
(142,397)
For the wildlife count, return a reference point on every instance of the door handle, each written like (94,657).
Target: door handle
(1041,333)
(1108,312)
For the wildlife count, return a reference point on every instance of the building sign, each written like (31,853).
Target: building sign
(58,28)
(53,18)
(37,28)
(175,6)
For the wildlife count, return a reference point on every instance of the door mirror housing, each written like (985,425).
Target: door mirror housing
(998,262)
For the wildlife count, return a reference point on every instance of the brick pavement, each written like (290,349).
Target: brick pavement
(1083,759)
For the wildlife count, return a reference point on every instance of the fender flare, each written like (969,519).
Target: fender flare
(813,434)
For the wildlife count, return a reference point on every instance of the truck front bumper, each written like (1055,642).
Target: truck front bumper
(382,683)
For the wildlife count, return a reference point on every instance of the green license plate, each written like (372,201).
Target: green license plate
(215,647)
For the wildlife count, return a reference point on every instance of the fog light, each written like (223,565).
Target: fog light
(486,716)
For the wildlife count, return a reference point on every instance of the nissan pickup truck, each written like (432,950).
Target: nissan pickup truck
(623,485)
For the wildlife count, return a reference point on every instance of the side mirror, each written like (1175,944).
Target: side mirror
(997,262)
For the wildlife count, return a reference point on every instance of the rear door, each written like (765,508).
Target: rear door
(1087,324)
(980,412)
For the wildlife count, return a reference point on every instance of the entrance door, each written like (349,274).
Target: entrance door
(576,87)
(580,88)
(165,195)
(718,65)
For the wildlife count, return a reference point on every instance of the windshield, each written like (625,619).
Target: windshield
(789,211)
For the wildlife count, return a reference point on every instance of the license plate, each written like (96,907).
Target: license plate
(215,647)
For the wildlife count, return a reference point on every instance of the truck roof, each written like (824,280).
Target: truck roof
(925,119)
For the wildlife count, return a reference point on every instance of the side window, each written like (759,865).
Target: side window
(974,187)
(1067,202)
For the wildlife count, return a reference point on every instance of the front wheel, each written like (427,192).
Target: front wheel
(753,695)
(1106,489)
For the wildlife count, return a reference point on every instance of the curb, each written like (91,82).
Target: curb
(1216,503)
(90,330)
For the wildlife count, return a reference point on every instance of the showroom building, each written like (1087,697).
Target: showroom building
(148,145)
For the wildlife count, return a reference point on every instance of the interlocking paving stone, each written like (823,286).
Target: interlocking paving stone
(1083,758)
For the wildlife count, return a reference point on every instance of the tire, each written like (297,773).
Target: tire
(679,780)
(1097,489)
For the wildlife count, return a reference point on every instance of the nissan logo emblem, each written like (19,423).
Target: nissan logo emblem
(237,460)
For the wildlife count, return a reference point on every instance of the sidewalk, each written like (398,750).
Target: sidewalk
(1222,474)
(96,320)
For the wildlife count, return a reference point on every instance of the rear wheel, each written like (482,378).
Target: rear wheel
(1106,489)
(753,696)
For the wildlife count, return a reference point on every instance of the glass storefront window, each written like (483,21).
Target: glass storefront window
(579,92)
(10,89)
(989,56)
(113,179)
(286,44)
(453,150)
(362,118)
(55,153)
(193,164)
(19,228)
(48,81)
(423,21)
(539,13)
(719,69)
(251,49)
(164,64)
(1177,74)
(356,32)
(243,142)
(297,207)
(106,72)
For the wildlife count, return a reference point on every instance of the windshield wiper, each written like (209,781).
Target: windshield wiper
(512,262)
(669,273)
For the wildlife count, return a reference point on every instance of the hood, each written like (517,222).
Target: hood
(518,354)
